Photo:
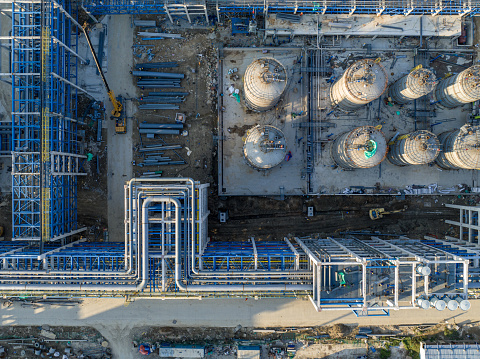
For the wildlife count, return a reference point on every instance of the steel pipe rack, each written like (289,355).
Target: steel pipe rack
(167,253)
(218,7)
(384,273)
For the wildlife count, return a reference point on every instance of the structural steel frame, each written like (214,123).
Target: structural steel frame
(45,148)
(351,7)
(468,222)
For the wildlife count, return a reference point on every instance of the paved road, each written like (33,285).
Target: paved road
(216,312)
(120,59)
(115,320)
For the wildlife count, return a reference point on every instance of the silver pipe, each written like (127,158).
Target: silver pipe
(217,288)
(96,287)
(255,274)
(242,281)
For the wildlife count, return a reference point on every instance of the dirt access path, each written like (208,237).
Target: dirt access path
(120,40)
(268,218)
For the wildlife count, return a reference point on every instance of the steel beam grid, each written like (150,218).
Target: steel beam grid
(468,223)
(384,267)
(24,259)
(229,256)
(320,249)
(242,256)
(44,67)
(273,255)
(422,250)
(453,248)
(104,257)
(80,257)
(26,194)
(376,7)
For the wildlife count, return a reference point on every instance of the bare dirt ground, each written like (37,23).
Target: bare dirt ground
(196,58)
(43,341)
(92,188)
(268,218)
(335,341)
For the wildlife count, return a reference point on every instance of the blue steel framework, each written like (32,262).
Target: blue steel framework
(377,7)
(44,127)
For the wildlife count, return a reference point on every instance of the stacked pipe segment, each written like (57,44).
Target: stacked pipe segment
(412,86)
(361,83)
(364,147)
(459,89)
(417,148)
(461,149)
(167,75)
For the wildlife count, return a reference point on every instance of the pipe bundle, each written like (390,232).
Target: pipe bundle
(154,79)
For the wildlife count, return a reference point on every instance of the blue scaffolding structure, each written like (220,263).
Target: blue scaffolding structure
(45,148)
(376,7)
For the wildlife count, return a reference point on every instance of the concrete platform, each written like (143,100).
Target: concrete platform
(237,178)
(366,25)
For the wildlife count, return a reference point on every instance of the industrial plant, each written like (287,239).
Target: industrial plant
(117,152)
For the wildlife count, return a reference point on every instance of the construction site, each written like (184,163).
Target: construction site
(172,151)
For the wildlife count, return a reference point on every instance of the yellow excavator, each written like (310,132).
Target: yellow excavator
(377,213)
(120,121)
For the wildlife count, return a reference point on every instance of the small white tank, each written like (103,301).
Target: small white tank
(437,303)
(423,269)
(264,147)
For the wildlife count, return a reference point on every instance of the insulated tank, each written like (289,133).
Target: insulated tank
(264,83)
(360,84)
(460,89)
(416,84)
(364,147)
(460,149)
(264,147)
(416,148)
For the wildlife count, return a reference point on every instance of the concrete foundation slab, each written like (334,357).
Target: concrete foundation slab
(294,117)
(366,25)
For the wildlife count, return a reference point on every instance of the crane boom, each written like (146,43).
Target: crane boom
(117,105)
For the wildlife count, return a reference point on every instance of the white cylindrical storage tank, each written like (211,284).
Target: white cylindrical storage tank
(364,147)
(452,304)
(463,303)
(264,83)
(437,303)
(363,82)
(423,269)
(459,89)
(423,303)
(264,147)
(416,148)
(416,84)
(460,149)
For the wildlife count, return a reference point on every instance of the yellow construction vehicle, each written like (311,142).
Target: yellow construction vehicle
(377,213)
(117,103)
